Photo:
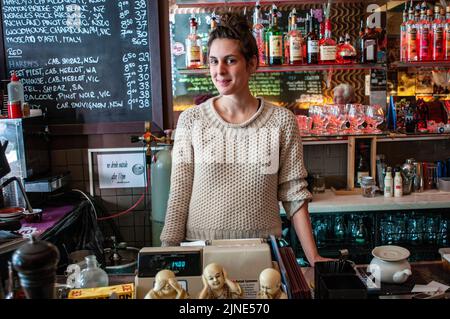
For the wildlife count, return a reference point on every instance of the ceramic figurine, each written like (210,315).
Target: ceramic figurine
(270,285)
(166,287)
(216,284)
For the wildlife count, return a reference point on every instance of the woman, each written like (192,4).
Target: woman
(236,156)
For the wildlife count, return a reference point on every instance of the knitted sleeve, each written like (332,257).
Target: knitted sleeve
(291,176)
(182,176)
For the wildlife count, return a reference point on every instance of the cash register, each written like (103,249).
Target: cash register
(243,259)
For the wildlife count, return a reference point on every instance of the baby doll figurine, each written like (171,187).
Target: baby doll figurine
(270,285)
(166,287)
(216,284)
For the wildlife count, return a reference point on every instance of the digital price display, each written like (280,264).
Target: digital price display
(181,263)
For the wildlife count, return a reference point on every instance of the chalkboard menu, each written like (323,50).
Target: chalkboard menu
(83,61)
(289,89)
(281,88)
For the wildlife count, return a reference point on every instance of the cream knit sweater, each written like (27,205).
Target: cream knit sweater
(227,179)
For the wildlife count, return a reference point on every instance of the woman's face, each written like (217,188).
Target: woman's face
(229,70)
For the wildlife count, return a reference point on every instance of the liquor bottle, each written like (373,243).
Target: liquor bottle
(312,44)
(388,183)
(360,43)
(258,33)
(363,166)
(193,47)
(274,38)
(327,46)
(447,34)
(438,34)
(294,41)
(286,40)
(424,29)
(369,45)
(345,52)
(411,31)
(403,37)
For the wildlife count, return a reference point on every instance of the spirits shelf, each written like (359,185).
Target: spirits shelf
(395,137)
(203,3)
(429,64)
(299,68)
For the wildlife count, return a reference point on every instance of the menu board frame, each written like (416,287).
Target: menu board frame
(158,116)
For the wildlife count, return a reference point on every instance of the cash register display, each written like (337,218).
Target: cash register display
(181,263)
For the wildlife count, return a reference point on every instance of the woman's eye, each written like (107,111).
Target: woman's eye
(230,61)
(212,61)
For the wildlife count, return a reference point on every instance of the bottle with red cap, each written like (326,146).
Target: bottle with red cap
(15,92)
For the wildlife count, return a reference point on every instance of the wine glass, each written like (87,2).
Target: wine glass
(336,117)
(319,118)
(355,116)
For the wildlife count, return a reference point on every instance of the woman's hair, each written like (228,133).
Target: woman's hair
(235,26)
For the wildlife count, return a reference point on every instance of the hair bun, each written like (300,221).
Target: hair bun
(235,21)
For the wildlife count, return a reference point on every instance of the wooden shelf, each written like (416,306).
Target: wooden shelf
(299,68)
(429,64)
(384,137)
(222,3)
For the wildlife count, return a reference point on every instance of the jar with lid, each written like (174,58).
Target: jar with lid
(93,276)
(368,186)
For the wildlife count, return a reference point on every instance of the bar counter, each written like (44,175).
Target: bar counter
(423,272)
(329,202)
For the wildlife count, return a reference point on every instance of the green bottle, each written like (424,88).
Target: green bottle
(274,40)
(361,234)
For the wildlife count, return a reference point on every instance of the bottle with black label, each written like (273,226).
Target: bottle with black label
(369,45)
(312,44)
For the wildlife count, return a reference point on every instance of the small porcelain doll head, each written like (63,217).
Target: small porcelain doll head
(214,275)
(163,279)
(269,282)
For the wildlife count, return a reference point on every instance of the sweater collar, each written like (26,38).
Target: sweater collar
(256,121)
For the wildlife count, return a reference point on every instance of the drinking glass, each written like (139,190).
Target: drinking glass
(304,124)
(374,117)
(318,115)
(336,118)
(355,116)
(318,183)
